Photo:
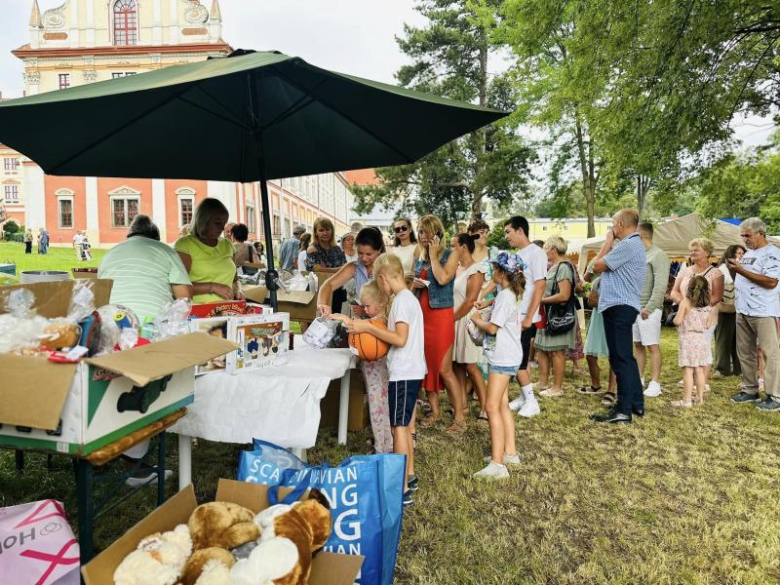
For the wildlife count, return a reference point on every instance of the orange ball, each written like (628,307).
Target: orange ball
(367,346)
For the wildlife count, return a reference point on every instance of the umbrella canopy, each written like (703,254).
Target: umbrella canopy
(252,116)
(216,119)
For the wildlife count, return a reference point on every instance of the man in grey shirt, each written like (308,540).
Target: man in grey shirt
(288,252)
(647,329)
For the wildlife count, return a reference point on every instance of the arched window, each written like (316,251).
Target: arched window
(126,22)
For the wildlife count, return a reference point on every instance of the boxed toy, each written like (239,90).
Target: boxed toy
(226,309)
(263,341)
(326,568)
(84,406)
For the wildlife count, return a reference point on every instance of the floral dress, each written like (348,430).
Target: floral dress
(695,348)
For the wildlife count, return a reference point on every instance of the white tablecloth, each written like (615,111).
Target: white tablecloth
(279,404)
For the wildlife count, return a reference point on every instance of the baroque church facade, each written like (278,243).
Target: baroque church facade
(86,41)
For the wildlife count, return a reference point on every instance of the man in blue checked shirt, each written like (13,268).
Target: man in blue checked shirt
(621,262)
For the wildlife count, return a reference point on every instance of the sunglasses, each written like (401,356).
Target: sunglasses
(401,229)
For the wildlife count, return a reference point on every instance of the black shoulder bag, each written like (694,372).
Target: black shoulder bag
(561,317)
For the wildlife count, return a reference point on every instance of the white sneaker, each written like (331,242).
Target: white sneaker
(150,479)
(530,408)
(492,471)
(653,390)
(508,459)
(517,403)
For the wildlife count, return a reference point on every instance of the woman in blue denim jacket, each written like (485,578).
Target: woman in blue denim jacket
(434,273)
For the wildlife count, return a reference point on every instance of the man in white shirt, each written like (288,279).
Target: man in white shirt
(756,279)
(516,231)
(78,243)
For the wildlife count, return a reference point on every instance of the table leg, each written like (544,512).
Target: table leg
(86,510)
(344,408)
(161,468)
(185,461)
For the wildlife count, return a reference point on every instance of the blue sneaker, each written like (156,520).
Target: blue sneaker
(413,483)
(408,501)
(769,405)
(744,397)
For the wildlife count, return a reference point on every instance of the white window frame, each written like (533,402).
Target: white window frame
(15,165)
(5,193)
(185,194)
(251,219)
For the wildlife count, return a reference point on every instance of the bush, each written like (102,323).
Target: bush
(10,227)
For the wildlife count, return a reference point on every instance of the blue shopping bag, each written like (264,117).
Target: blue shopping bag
(365,494)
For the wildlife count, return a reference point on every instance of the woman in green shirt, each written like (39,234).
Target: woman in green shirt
(207,256)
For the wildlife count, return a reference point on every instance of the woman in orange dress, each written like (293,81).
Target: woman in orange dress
(434,281)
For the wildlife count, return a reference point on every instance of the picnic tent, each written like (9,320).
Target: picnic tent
(673,237)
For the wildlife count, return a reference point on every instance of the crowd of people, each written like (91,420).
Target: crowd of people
(458,314)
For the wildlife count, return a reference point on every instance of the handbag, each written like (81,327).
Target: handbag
(365,493)
(476,334)
(561,317)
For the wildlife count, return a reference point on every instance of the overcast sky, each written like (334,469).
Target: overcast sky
(351,36)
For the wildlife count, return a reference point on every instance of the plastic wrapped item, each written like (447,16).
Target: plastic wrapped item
(82,301)
(320,333)
(298,283)
(172,321)
(20,328)
(114,320)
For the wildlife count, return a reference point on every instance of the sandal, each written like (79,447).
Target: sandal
(682,403)
(429,421)
(482,417)
(609,398)
(457,428)
(585,389)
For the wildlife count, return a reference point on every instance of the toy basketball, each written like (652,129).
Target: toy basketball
(367,346)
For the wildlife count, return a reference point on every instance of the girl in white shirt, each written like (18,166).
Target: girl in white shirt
(504,352)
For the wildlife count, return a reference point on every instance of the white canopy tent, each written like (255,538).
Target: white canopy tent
(674,235)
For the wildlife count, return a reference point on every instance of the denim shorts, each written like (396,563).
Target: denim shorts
(401,398)
(506,370)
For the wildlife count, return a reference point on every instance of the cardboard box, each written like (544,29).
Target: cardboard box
(327,568)
(84,272)
(263,341)
(83,407)
(357,418)
(301,306)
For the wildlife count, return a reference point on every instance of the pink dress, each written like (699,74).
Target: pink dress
(695,348)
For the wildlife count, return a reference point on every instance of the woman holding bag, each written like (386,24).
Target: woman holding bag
(551,346)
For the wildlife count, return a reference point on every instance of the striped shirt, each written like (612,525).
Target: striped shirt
(143,271)
(622,283)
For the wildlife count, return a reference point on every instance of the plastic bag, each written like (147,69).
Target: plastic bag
(320,333)
(172,321)
(20,327)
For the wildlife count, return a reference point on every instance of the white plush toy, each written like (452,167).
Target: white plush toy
(158,560)
(272,559)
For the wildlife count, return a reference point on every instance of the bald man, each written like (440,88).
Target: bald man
(621,263)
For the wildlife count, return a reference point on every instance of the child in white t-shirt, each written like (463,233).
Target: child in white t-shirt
(504,352)
(405,360)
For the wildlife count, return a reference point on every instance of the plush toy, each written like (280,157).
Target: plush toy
(289,536)
(157,560)
(212,556)
(222,524)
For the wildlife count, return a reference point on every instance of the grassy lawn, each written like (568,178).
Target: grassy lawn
(681,496)
(56,259)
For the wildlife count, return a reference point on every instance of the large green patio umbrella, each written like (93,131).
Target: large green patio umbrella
(252,116)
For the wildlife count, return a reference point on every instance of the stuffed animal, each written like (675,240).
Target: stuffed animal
(222,524)
(289,536)
(200,559)
(157,560)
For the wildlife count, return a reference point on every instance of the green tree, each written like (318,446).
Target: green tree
(451,57)
(497,237)
(10,227)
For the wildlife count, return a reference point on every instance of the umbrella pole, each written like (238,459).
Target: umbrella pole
(271,276)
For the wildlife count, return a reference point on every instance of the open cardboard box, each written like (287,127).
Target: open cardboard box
(302,306)
(327,568)
(77,409)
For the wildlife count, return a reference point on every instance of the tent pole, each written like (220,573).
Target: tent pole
(271,275)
